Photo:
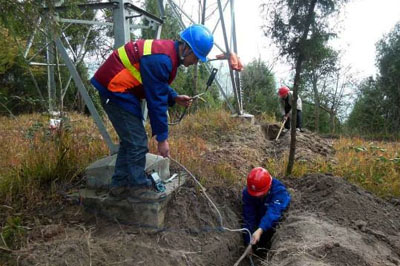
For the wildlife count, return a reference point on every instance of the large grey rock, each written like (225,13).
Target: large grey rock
(245,117)
(145,214)
(99,173)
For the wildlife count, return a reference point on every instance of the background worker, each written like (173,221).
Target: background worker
(263,200)
(286,103)
(143,69)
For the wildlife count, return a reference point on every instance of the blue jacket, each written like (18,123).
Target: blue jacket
(266,211)
(155,71)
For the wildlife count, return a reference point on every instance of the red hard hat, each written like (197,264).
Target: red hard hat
(258,182)
(283,91)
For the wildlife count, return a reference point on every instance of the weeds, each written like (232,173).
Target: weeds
(373,165)
(12,233)
(43,158)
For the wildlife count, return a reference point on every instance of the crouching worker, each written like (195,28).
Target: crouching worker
(264,201)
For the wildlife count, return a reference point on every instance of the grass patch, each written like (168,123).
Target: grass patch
(39,160)
(375,165)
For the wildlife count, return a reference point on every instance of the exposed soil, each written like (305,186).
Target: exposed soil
(332,222)
(329,222)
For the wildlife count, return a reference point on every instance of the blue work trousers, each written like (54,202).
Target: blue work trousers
(131,157)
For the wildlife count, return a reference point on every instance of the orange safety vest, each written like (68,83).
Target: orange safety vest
(121,71)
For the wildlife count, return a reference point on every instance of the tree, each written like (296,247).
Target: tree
(388,61)
(317,71)
(377,109)
(258,84)
(298,27)
(368,114)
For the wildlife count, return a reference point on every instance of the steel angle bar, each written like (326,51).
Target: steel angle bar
(30,42)
(43,64)
(208,65)
(80,21)
(174,5)
(143,12)
(32,37)
(219,19)
(109,5)
(161,8)
(209,68)
(47,43)
(69,46)
(80,57)
(228,51)
(175,11)
(235,50)
(89,103)
(203,12)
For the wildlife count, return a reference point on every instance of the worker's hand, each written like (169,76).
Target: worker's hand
(286,116)
(163,148)
(256,236)
(183,100)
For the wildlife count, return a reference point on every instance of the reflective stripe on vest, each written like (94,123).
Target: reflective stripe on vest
(127,63)
(147,47)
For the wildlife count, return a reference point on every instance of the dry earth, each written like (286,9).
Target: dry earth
(329,222)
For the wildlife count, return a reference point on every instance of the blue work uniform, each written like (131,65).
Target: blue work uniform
(264,212)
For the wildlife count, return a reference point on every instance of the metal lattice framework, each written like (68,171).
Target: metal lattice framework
(213,14)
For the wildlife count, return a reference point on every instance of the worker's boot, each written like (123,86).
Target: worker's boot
(146,193)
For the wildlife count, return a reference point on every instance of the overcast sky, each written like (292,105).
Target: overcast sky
(365,22)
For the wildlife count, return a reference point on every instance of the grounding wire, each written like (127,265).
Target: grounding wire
(209,199)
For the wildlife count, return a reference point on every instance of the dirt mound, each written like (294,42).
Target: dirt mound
(192,236)
(309,146)
(332,222)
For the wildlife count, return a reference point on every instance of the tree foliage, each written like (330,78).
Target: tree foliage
(388,58)
(258,84)
(300,29)
(368,114)
(377,108)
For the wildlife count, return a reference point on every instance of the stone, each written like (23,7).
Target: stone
(98,174)
(247,117)
(148,215)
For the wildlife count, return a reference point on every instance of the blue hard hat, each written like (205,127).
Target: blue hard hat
(200,39)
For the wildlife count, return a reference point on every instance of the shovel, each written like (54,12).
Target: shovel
(246,252)
(280,130)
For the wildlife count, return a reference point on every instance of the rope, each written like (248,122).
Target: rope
(210,200)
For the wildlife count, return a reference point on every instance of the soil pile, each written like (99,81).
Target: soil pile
(192,236)
(332,222)
(309,146)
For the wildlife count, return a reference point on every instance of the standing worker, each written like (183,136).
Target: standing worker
(286,103)
(143,69)
(264,200)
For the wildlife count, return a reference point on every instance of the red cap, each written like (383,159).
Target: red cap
(258,182)
(283,91)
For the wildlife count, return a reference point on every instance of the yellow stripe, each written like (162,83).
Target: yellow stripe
(147,47)
(125,60)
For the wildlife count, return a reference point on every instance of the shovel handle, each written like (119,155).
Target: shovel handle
(280,130)
(245,253)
